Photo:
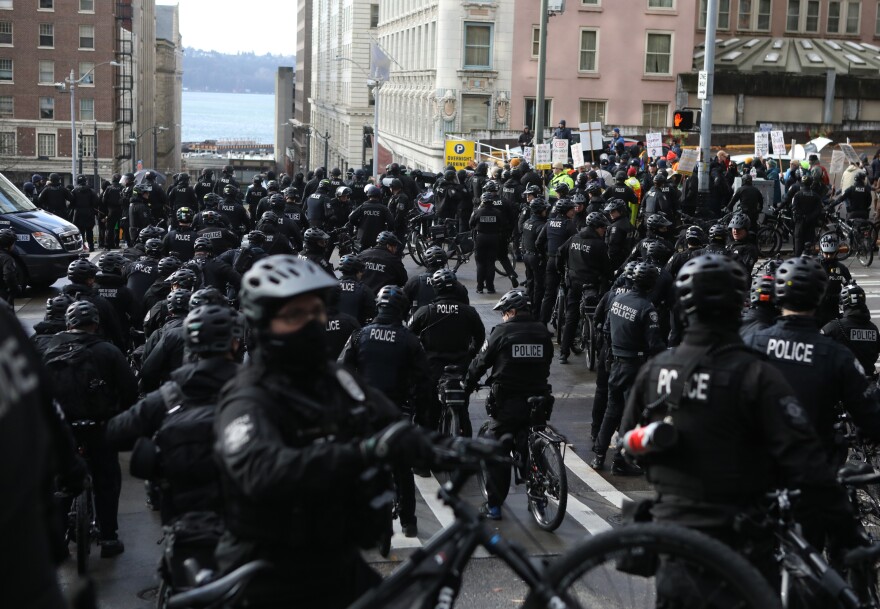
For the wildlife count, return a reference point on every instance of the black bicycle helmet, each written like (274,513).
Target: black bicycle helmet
(230,190)
(211,200)
(659,178)
(657,251)
(210,328)
(350,265)
(829,243)
(81,313)
(168,265)
(538,206)
(256,237)
(343,191)
(533,189)
(443,280)
(644,276)
(210,218)
(629,269)
(763,291)
(386,237)
(292,193)
(207,296)
(80,271)
(272,185)
(177,301)
(490,186)
(597,220)
(185,215)
(315,236)
(56,307)
(154,247)
(274,280)
(183,278)
(594,189)
(620,176)
(488,197)
(578,198)
(7,237)
(563,206)
(373,192)
(740,221)
(562,189)
(852,296)
(269,217)
(112,263)
(718,233)
(657,221)
(514,300)
(150,232)
(694,235)
(800,284)
(435,258)
(711,284)
(618,205)
(203,244)
(277,200)
(392,297)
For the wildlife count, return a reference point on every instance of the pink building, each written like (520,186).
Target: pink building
(611,61)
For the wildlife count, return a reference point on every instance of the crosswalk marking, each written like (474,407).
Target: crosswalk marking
(587,518)
(400,541)
(592,479)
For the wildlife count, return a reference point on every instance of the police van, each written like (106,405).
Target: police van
(46,243)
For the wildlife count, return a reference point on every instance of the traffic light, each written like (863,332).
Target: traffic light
(683,120)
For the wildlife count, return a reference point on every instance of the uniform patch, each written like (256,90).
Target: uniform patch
(237,434)
(794,413)
(654,317)
(350,385)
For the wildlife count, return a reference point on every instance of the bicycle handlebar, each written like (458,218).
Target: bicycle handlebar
(211,593)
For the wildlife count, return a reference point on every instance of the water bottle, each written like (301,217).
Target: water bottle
(655,437)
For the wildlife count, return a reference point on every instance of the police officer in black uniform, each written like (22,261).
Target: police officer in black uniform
(806,207)
(81,274)
(535,261)
(487,225)
(371,217)
(214,272)
(558,229)
(855,329)
(179,241)
(451,332)
(234,212)
(54,198)
(519,352)
(419,288)
(750,200)
(356,298)
(857,198)
(317,205)
(620,190)
(141,273)
(509,213)
(9,286)
(227,177)
(204,184)
(340,325)
(112,286)
(282,234)
(315,244)
(382,263)
(164,350)
(156,304)
(111,204)
(695,241)
(392,360)
(634,326)
(657,230)
(255,193)
(822,372)
(210,203)
(838,275)
(400,206)
(718,235)
(621,232)
(739,425)
(182,195)
(762,311)
(587,269)
(221,238)
(742,245)
(52,323)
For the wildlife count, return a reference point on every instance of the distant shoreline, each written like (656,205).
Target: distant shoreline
(185,90)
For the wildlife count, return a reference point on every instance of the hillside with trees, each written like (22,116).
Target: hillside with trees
(239,73)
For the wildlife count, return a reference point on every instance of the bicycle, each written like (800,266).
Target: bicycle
(419,236)
(861,237)
(82,529)
(589,338)
(541,468)
(557,317)
(778,227)
(345,242)
(512,255)
(433,574)
(865,457)
(454,418)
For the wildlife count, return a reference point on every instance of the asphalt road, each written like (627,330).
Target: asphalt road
(129,580)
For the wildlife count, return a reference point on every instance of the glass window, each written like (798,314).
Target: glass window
(723,14)
(658,53)
(47,108)
(812,21)
(792,17)
(46,144)
(86,109)
(5,70)
(47,35)
(853,14)
(592,111)
(5,32)
(47,72)
(87,67)
(7,143)
(87,6)
(877,25)
(477,45)
(744,21)
(374,15)
(7,106)
(87,144)
(834,16)
(87,37)
(765,7)
(660,3)
(7,4)
(754,15)
(591,2)
(46,5)
(655,115)
(530,112)
(536,40)
(589,50)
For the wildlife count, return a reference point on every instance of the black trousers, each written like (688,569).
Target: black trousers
(88,232)
(620,381)
(502,257)
(106,474)
(573,312)
(804,232)
(111,233)
(551,285)
(600,399)
(485,253)
(536,269)
(511,417)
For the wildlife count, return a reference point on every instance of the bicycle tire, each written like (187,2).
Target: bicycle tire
(646,542)
(553,484)
(560,315)
(481,474)
(589,338)
(415,247)
(769,241)
(450,423)
(163,594)
(866,239)
(82,531)
(511,255)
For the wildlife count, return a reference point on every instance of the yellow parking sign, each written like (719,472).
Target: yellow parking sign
(459,153)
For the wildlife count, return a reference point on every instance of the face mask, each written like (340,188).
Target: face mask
(300,353)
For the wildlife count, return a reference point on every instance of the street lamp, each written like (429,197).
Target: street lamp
(134,140)
(376,85)
(71,82)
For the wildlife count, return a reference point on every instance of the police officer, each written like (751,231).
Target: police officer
(356,298)
(695,241)
(139,215)
(738,423)
(234,211)
(487,225)
(400,206)
(243,258)
(210,203)
(204,184)
(141,273)
(838,276)
(53,322)
(718,234)
(221,238)
(182,195)
(657,230)
(213,272)
(83,209)
(265,204)
(164,350)
(111,202)
(112,286)
(857,198)
(750,200)
(534,260)
(9,286)
(619,237)
(255,193)
(315,244)
(634,326)
(179,241)
(155,301)
(371,217)
(317,205)
(656,200)
(54,198)
(419,288)
(742,245)
(382,263)
(855,329)
(587,269)
(392,360)
(227,177)
(81,274)
(620,190)
(762,311)
(519,352)
(450,331)
(558,229)
(115,389)
(340,325)
(822,372)
(276,229)
(806,206)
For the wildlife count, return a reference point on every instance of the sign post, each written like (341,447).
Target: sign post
(591,135)
(702,84)
(459,153)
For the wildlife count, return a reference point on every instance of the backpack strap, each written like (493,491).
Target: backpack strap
(172,394)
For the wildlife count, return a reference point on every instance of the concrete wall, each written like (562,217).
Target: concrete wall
(283,113)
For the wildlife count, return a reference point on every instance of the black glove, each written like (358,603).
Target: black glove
(400,443)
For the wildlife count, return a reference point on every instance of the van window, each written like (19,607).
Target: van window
(11,199)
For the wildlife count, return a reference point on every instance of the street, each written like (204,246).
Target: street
(129,580)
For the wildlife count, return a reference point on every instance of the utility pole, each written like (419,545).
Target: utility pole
(542,69)
(95,184)
(706,114)
(326,151)
(376,131)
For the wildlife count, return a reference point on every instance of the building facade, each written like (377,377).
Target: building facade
(341,104)
(451,74)
(607,61)
(284,110)
(302,110)
(41,43)
(169,87)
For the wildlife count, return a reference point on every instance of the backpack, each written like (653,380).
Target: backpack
(244,259)
(79,387)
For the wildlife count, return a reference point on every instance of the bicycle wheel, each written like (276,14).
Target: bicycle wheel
(450,423)
(560,315)
(769,241)
(846,247)
(589,340)
(511,256)
(416,247)
(656,565)
(482,476)
(547,485)
(82,531)
(865,240)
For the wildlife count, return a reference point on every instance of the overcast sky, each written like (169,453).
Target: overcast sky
(232,26)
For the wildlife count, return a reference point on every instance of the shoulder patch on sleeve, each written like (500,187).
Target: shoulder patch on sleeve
(238,434)
(351,386)
(794,413)
(654,316)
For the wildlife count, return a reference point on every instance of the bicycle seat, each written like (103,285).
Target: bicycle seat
(220,589)
(452,370)
(537,400)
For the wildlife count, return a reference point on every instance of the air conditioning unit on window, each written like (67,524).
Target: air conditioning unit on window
(555,6)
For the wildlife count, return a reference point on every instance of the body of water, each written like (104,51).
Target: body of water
(228,116)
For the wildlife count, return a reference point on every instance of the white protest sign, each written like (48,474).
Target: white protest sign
(542,156)
(762,143)
(577,156)
(850,153)
(527,154)
(688,161)
(778,143)
(560,151)
(591,136)
(838,160)
(654,143)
